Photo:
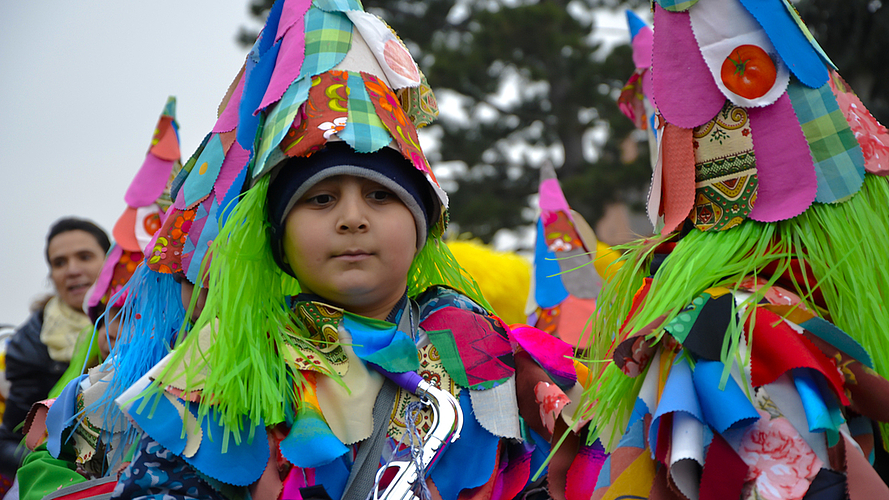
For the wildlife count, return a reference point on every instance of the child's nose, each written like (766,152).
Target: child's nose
(352,217)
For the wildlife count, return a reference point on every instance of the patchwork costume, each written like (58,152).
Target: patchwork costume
(746,344)
(283,395)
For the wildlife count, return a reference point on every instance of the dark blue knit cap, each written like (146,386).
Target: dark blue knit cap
(294,177)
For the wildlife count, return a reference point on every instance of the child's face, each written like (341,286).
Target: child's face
(351,241)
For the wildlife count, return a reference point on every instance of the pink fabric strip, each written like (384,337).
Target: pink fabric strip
(149,182)
(784,166)
(551,196)
(679,176)
(684,90)
(228,120)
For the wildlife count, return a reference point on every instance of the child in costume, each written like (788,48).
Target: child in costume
(336,314)
(744,352)
(79,437)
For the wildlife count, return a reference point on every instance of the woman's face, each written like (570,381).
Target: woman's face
(75,260)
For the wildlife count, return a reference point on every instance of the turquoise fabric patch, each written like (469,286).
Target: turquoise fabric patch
(830,333)
(364,130)
(209,232)
(203,175)
(839,162)
(338,5)
(279,120)
(380,343)
(328,39)
(310,442)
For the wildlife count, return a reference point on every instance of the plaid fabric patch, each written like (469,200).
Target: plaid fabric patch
(338,5)
(839,162)
(676,5)
(328,38)
(364,130)
(279,121)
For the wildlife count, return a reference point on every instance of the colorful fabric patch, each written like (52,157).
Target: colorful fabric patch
(317,349)
(485,355)
(786,179)
(676,5)
(678,396)
(792,45)
(394,59)
(777,348)
(723,408)
(419,103)
(737,50)
(725,170)
(205,229)
(149,182)
(364,130)
(328,39)
(552,354)
(839,162)
(288,64)
(310,442)
(724,472)
(582,475)
(781,464)
(678,176)
(684,90)
(318,116)
(199,183)
(337,5)
(389,109)
(705,336)
(871,135)
(379,342)
(548,288)
(166,253)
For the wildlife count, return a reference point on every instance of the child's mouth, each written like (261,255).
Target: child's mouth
(353,256)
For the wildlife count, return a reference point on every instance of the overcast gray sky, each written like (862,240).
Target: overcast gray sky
(82,85)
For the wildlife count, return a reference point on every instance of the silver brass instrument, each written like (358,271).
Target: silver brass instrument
(447,422)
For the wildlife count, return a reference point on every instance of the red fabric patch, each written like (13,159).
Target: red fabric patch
(777,348)
(325,104)
(724,471)
(584,472)
(396,121)
(481,341)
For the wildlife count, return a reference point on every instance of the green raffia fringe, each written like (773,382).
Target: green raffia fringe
(246,309)
(844,244)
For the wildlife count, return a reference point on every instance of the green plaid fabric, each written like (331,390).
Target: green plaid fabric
(364,130)
(676,5)
(328,38)
(338,5)
(839,162)
(278,122)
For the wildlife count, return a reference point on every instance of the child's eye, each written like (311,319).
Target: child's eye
(320,199)
(381,195)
